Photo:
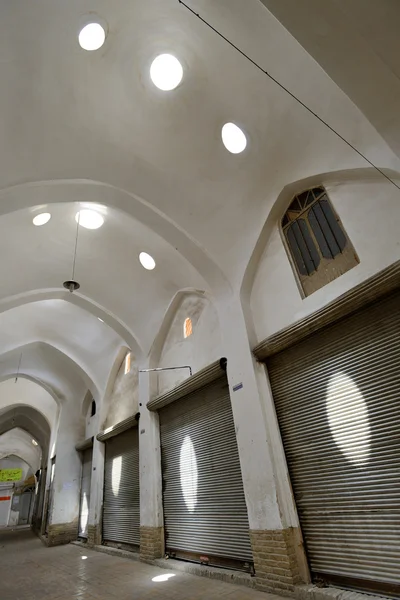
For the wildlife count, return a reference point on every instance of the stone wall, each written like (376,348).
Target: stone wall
(276,560)
(151,543)
(62,533)
(94,535)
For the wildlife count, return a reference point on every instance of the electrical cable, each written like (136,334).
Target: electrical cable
(78,220)
(285,89)
(19,366)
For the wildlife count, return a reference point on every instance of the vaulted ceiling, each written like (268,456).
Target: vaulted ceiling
(90,129)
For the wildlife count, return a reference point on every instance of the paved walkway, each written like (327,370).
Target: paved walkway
(30,571)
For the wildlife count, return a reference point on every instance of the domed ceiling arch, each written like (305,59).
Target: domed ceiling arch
(90,129)
(104,121)
(84,340)
(44,364)
(18,442)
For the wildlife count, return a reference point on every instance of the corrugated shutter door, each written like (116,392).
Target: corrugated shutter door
(204,505)
(337,396)
(85,493)
(121,510)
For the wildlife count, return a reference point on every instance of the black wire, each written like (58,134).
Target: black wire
(253,62)
(76,244)
(19,366)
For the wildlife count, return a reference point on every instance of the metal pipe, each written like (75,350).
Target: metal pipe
(166,369)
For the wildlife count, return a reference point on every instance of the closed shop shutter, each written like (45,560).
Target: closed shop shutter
(204,505)
(121,510)
(337,396)
(85,493)
(25,507)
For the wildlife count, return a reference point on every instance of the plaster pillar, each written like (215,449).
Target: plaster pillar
(46,508)
(39,499)
(151,509)
(63,527)
(274,527)
(96,494)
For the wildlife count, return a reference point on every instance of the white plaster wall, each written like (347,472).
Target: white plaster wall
(66,485)
(370,213)
(14,517)
(5,506)
(198,350)
(90,422)
(91,425)
(123,401)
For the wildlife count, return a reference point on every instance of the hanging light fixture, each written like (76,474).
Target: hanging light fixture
(71,284)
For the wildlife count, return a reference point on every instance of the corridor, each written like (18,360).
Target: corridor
(30,571)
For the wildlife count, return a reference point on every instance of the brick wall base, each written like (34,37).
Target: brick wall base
(151,543)
(277,560)
(94,535)
(62,533)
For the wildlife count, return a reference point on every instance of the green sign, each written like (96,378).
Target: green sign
(10,474)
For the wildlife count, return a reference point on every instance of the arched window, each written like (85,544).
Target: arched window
(127,363)
(187,328)
(93,409)
(317,243)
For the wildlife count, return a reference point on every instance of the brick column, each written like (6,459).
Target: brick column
(275,534)
(151,543)
(96,494)
(276,560)
(151,509)
(62,533)
(64,519)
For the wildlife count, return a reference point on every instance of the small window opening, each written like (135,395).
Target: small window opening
(316,241)
(93,410)
(187,328)
(127,363)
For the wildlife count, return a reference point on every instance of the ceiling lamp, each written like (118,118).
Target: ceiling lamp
(90,219)
(92,37)
(166,72)
(233,138)
(71,284)
(41,219)
(147,261)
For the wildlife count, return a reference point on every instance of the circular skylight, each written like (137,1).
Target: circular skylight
(233,138)
(147,261)
(166,72)
(41,219)
(90,219)
(92,36)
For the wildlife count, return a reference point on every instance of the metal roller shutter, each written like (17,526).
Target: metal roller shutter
(121,509)
(204,505)
(85,493)
(337,396)
(203,377)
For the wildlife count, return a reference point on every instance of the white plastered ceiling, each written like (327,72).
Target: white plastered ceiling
(18,442)
(89,128)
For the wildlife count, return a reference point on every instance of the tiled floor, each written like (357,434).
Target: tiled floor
(29,571)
